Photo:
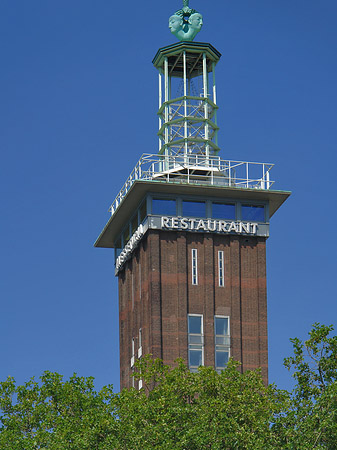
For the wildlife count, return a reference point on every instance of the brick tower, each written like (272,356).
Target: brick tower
(189,229)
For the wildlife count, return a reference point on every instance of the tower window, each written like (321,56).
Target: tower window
(253,212)
(195,342)
(223,211)
(222,342)
(164,207)
(132,363)
(221,268)
(142,212)
(140,349)
(194,266)
(194,209)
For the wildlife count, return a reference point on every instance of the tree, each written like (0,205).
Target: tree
(310,420)
(179,410)
(56,415)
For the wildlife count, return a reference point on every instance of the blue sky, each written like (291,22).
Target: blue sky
(78,107)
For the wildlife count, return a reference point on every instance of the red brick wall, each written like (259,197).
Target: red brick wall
(156,294)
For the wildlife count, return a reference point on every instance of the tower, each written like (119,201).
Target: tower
(189,228)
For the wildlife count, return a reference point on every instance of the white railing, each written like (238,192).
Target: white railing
(197,170)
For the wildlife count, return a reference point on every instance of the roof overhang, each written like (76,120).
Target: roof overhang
(139,190)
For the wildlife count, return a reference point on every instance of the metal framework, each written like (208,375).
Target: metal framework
(188,119)
(197,170)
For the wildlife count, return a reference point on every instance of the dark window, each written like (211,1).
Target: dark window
(194,209)
(118,247)
(134,224)
(142,211)
(195,324)
(126,235)
(223,211)
(164,207)
(251,212)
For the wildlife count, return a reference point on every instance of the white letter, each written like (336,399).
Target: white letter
(232,227)
(165,222)
(201,224)
(254,226)
(183,223)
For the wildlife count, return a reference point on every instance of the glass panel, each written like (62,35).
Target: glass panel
(222,340)
(142,211)
(126,235)
(134,223)
(250,212)
(221,326)
(195,358)
(194,324)
(194,209)
(195,339)
(223,211)
(164,207)
(221,359)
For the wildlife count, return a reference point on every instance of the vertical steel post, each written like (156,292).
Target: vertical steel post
(214,101)
(268,180)
(160,104)
(166,104)
(185,106)
(204,76)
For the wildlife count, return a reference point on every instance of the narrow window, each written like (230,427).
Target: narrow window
(140,349)
(132,363)
(222,342)
(221,268)
(195,342)
(194,266)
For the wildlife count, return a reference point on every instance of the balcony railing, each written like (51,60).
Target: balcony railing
(197,170)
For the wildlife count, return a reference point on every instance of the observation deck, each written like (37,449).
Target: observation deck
(190,175)
(197,170)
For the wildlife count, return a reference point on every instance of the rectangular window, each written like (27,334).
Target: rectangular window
(194,209)
(222,342)
(164,207)
(223,211)
(118,247)
(126,235)
(134,223)
(252,212)
(140,349)
(195,342)
(194,266)
(221,268)
(142,211)
(132,362)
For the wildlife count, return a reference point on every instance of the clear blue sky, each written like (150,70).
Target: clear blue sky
(78,101)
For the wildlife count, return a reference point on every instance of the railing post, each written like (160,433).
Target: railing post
(247,185)
(230,174)
(267,176)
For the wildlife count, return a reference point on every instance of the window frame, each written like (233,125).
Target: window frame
(196,346)
(221,348)
(194,266)
(221,268)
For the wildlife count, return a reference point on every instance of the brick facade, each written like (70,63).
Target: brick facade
(156,294)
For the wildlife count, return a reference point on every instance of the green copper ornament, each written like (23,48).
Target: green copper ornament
(185,23)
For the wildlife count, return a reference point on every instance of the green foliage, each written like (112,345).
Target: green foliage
(56,415)
(179,410)
(311,419)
